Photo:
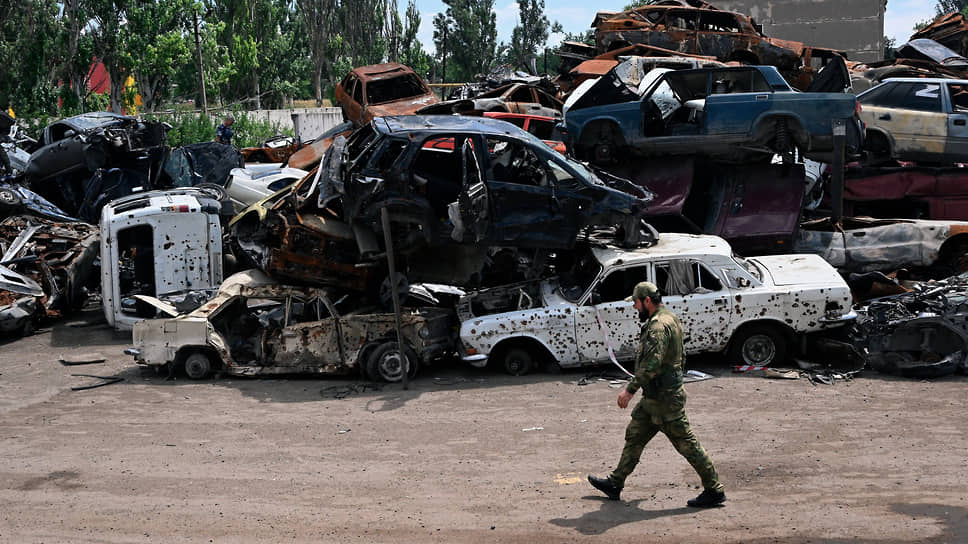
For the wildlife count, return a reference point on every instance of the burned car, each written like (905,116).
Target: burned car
(446,179)
(754,309)
(864,244)
(255,326)
(126,153)
(734,114)
(512,98)
(917,119)
(50,261)
(381,89)
(919,334)
(699,28)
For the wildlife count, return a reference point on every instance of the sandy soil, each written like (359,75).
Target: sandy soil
(462,456)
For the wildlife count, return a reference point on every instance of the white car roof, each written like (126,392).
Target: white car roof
(669,246)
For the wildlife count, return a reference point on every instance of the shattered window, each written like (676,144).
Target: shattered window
(712,21)
(521,95)
(682,277)
(749,267)
(574,282)
(541,129)
(511,161)
(437,171)
(397,88)
(384,158)
(959,96)
(618,284)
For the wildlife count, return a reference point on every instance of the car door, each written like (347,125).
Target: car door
(527,209)
(354,102)
(697,295)
(620,320)
(471,213)
(957,144)
(911,112)
(310,339)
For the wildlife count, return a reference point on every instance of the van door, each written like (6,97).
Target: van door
(183,254)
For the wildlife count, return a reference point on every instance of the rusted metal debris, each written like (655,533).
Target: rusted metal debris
(920,334)
(706,30)
(378,90)
(276,149)
(57,257)
(950,30)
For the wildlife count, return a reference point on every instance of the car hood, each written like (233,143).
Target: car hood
(799,270)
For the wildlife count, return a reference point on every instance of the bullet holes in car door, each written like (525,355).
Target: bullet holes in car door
(619,317)
(696,294)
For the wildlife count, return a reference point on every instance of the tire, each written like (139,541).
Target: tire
(198,365)
(385,364)
(758,345)
(517,361)
(217,192)
(9,198)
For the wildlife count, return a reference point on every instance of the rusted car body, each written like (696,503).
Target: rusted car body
(727,35)
(255,326)
(863,244)
(378,90)
(58,257)
(309,156)
(916,58)
(664,58)
(919,334)
(514,98)
(277,149)
(542,127)
(950,30)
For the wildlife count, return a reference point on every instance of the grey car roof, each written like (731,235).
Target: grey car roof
(447,123)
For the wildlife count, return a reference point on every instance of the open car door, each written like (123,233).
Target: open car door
(470,214)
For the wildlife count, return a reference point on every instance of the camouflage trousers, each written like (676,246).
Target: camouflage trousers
(676,427)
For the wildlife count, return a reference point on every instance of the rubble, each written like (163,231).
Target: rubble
(919,334)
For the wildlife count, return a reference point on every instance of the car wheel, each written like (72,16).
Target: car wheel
(9,198)
(198,365)
(386,363)
(216,192)
(517,361)
(758,345)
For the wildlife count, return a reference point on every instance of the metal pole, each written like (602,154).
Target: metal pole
(201,71)
(837,174)
(443,70)
(388,243)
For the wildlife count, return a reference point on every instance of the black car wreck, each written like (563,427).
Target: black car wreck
(472,180)
(456,190)
(919,334)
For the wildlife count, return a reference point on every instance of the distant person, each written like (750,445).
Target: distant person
(658,372)
(223,134)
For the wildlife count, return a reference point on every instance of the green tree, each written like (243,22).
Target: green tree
(411,50)
(159,43)
(471,37)
(530,34)
(318,17)
(110,36)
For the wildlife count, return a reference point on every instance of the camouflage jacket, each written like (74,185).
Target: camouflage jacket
(659,360)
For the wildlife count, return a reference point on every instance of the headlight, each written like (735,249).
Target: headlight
(424,332)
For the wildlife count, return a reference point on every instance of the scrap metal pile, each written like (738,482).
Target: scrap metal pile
(518,214)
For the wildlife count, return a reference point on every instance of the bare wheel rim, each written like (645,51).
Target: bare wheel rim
(8,197)
(390,366)
(759,349)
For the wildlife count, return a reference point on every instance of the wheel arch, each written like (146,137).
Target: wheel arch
(535,346)
(213,355)
(764,128)
(784,328)
(872,133)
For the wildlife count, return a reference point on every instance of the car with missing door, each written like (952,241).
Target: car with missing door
(754,309)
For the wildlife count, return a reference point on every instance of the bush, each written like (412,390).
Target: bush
(191,127)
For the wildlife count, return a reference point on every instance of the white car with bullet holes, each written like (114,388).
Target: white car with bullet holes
(753,309)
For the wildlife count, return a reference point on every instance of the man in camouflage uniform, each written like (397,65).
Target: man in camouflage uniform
(658,371)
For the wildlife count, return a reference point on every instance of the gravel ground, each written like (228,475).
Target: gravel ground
(462,456)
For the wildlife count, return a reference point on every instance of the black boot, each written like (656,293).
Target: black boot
(707,499)
(606,486)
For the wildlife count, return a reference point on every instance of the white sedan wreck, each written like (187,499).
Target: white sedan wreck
(752,308)
(256,326)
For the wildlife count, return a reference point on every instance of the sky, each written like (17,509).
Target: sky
(576,16)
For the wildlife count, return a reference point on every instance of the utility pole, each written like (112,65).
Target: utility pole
(443,78)
(201,72)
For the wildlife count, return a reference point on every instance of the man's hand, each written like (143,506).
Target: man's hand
(623,398)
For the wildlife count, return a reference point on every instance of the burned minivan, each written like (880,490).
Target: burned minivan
(256,326)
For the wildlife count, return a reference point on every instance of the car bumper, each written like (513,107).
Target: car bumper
(478,360)
(842,318)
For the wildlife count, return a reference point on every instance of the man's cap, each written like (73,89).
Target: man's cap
(642,290)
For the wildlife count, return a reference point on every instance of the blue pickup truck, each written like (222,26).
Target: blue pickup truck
(732,114)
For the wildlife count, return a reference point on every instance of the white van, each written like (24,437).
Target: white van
(158,243)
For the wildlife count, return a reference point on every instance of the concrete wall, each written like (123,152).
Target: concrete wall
(306,123)
(853,26)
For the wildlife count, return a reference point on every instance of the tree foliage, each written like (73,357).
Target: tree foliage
(254,53)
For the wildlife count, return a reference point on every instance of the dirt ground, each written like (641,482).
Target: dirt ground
(462,456)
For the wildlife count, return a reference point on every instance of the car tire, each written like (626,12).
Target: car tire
(385,363)
(9,198)
(198,365)
(758,345)
(517,361)
(217,192)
